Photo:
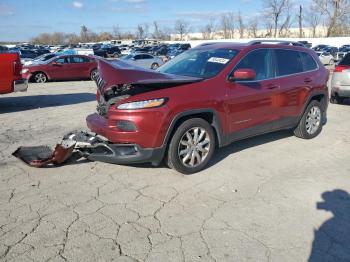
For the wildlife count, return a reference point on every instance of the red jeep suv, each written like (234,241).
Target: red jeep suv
(205,98)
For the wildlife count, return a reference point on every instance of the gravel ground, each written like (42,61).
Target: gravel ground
(271,198)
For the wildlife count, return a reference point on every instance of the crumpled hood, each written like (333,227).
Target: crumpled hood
(119,72)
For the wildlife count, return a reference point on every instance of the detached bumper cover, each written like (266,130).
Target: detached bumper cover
(91,147)
(20,85)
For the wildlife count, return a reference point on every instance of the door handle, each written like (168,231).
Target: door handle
(272,86)
(307,80)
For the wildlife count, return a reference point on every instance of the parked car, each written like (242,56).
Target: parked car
(319,47)
(143,60)
(331,49)
(340,85)
(3,49)
(28,54)
(40,59)
(205,98)
(325,57)
(65,67)
(10,74)
(107,51)
(340,55)
(305,43)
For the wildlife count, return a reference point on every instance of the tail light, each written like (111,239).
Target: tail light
(17,68)
(340,68)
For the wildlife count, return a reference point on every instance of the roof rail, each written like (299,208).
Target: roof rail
(280,42)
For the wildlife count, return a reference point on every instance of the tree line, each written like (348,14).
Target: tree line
(275,20)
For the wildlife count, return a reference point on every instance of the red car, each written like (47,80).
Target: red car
(64,67)
(10,74)
(206,98)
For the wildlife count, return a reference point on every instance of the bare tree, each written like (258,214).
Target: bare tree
(181,28)
(313,19)
(227,22)
(116,32)
(84,33)
(141,31)
(276,9)
(336,14)
(241,25)
(253,27)
(209,29)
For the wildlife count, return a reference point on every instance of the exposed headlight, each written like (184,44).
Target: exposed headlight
(143,104)
(24,71)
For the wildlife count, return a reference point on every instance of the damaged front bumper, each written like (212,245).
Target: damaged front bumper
(91,147)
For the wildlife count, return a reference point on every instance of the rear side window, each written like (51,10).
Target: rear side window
(288,62)
(260,61)
(309,63)
(346,60)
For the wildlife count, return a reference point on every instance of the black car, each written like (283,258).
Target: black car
(319,47)
(331,49)
(3,49)
(108,51)
(28,54)
(305,43)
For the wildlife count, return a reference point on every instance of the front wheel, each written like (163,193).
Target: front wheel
(310,125)
(93,74)
(335,99)
(40,78)
(191,146)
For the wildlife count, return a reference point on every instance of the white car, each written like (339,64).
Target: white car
(325,57)
(143,60)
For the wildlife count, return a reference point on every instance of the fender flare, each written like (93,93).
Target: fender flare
(216,124)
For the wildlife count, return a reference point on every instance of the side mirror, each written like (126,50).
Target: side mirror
(56,64)
(243,74)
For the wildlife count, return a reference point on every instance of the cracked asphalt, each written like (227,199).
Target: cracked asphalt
(258,201)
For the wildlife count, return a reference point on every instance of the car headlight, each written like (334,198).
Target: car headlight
(143,104)
(24,71)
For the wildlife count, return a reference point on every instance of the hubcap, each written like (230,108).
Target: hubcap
(194,147)
(93,75)
(313,120)
(40,78)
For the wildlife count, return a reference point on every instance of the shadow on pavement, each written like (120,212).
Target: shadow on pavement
(235,147)
(22,103)
(332,240)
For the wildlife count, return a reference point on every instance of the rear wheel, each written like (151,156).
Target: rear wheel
(310,124)
(191,147)
(40,77)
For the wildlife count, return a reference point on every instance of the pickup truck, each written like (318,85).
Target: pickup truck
(11,74)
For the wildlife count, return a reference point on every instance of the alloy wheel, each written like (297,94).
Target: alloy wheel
(313,120)
(40,78)
(194,147)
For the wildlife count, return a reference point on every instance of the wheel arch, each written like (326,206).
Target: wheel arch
(321,97)
(209,115)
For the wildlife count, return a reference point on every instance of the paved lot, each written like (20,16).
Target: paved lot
(262,199)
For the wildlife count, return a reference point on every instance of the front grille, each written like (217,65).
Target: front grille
(99,82)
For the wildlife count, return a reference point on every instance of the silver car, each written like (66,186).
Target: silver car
(143,60)
(325,57)
(340,86)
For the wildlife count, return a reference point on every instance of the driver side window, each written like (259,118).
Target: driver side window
(60,60)
(260,61)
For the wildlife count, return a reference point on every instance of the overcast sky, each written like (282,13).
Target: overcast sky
(22,19)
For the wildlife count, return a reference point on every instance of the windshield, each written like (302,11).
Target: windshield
(127,57)
(199,63)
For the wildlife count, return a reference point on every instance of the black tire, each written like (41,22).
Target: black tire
(93,74)
(154,66)
(173,155)
(39,77)
(301,130)
(335,99)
